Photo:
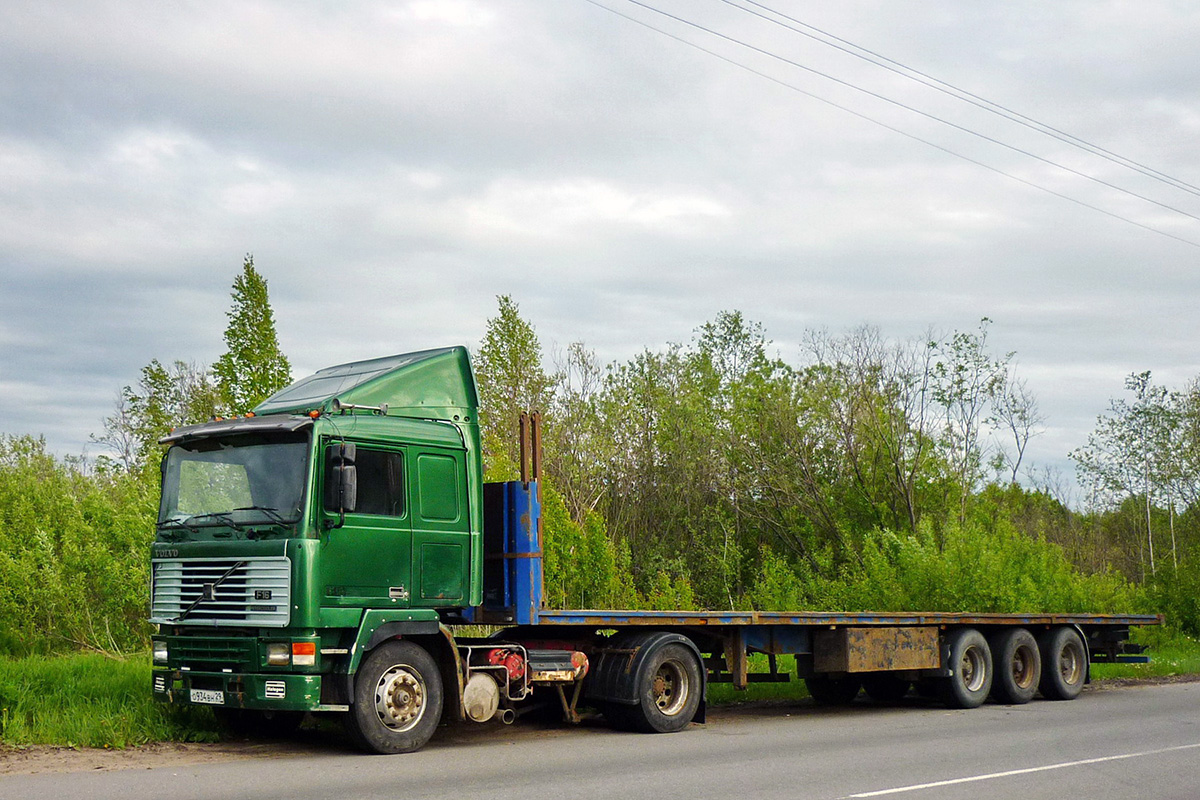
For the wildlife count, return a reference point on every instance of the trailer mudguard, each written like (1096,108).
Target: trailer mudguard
(614,672)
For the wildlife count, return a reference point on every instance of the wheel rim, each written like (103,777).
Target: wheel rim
(973,669)
(1070,664)
(1022,667)
(670,687)
(400,698)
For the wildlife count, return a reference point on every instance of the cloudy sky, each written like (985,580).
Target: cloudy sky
(393,166)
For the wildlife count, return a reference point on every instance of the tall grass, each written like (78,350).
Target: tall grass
(90,701)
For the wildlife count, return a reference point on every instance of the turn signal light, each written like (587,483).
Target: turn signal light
(304,654)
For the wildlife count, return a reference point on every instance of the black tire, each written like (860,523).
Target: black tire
(669,690)
(827,691)
(885,687)
(1064,664)
(1018,664)
(397,699)
(259,724)
(970,665)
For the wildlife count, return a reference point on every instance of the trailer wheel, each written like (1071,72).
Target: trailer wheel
(669,685)
(397,699)
(1018,666)
(970,666)
(828,691)
(1064,664)
(884,687)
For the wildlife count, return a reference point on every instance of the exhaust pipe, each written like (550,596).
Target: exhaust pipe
(507,716)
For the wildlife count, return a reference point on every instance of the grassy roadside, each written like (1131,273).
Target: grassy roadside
(90,700)
(1171,654)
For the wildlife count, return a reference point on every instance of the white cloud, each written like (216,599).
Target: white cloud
(256,197)
(570,207)
(452,12)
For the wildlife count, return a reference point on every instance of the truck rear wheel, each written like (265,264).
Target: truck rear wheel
(1018,666)
(970,663)
(828,691)
(669,685)
(397,699)
(1064,664)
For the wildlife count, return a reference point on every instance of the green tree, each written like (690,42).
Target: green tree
(1125,456)
(252,367)
(970,385)
(580,447)
(164,398)
(511,381)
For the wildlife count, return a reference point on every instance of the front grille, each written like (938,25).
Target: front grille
(222,591)
(215,654)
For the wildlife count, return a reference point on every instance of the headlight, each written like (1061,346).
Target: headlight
(160,651)
(279,654)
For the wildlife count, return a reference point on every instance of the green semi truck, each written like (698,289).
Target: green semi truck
(337,551)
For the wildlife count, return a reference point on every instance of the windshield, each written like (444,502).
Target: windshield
(234,481)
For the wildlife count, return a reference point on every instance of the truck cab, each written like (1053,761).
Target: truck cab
(343,506)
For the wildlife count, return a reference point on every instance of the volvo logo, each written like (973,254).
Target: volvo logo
(171,553)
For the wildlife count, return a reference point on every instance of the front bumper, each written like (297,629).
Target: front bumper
(278,692)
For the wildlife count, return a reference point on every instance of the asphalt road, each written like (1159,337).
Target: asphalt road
(1141,741)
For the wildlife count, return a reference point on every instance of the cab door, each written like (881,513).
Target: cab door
(367,561)
(441,526)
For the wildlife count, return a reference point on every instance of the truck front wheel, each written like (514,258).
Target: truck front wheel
(970,663)
(397,699)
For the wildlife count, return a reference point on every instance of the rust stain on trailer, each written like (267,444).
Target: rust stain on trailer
(875,649)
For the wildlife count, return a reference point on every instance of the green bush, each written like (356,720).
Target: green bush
(983,567)
(73,555)
(583,567)
(1175,592)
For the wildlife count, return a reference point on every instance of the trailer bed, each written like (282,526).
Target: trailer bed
(604,618)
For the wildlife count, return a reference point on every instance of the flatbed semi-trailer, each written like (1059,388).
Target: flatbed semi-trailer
(338,552)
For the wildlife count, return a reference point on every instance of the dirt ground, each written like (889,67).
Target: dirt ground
(38,760)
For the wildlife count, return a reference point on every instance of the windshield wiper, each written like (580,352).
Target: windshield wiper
(175,535)
(222,516)
(271,512)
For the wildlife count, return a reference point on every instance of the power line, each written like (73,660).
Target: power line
(905,106)
(892,128)
(959,93)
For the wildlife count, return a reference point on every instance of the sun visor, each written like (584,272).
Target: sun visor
(235,427)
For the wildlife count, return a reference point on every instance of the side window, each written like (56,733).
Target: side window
(438,481)
(380,482)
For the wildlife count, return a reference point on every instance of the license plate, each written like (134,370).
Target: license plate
(208,696)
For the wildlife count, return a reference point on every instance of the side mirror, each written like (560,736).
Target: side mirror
(341,479)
